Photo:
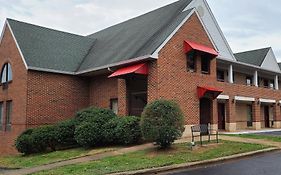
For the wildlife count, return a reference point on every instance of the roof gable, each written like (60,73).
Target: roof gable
(212,28)
(136,37)
(270,62)
(254,57)
(50,49)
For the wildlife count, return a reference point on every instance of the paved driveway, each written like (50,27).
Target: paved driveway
(275,133)
(266,164)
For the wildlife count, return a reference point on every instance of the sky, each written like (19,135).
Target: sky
(247,24)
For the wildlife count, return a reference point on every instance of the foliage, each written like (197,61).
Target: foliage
(162,122)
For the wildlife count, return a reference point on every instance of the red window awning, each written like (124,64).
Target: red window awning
(189,46)
(141,69)
(208,92)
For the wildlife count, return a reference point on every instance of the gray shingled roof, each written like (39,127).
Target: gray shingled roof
(50,49)
(136,37)
(254,57)
(46,48)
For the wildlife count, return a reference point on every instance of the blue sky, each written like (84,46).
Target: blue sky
(247,24)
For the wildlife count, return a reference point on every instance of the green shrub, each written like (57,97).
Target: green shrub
(25,143)
(162,122)
(94,114)
(45,137)
(128,130)
(91,124)
(88,134)
(65,133)
(109,132)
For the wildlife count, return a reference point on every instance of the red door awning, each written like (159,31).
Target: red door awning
(189,46)
(141,69)
(208,92)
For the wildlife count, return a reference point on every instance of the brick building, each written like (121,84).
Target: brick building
(176,52)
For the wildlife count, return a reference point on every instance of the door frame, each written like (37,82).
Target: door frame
(221,116)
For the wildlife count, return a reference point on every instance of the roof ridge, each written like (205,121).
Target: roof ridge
(48,28)
(253,50)
(84,58)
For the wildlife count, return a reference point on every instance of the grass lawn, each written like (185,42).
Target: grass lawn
(41,159)
(155,158)
(255,136)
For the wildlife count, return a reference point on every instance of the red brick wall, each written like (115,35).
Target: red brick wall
(54,97)
(102,89)
(15,92)
(174,81)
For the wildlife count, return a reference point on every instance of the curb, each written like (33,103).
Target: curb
(193,164)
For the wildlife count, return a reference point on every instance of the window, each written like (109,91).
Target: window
(6,73)
(114,105)
(205,64)
(249,80)
(8,115)
(191,63)
(220,75)
(1,116)
(265,83)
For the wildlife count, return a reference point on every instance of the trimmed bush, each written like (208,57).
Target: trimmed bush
(94,114)
(89,134)
(91,124)
(128,130)
(25,143)
(65,133)
(45,137)
(162,122)
(110,133)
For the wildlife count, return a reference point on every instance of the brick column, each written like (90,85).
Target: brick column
(230,115)
(198,63)
(122,98)
(277,116)
(152,82)
(256,107)
(214,114)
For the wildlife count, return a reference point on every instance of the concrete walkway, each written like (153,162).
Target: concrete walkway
(25,171)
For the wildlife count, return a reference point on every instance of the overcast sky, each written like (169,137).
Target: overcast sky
(247,24)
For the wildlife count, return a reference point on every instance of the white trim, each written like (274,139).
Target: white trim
(23,59)
(51,70)
(219,29)
(207,31)
(156,52)
(262,100)
(3,31)
(223,97)
(241,98)
(145,57)
(248,65)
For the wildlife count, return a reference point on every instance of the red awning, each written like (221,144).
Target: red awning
(208,92)
(141,69)
(189,46)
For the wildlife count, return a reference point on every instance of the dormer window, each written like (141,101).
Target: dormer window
(6,73)
(191,63)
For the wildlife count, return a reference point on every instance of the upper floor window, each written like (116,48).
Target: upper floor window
(249,80)
(191,63)
(205,64)
(220,75)
(6,73)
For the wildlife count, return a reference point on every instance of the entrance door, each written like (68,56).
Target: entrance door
(137,93)
(205,111)
(249,116)
(221,116)
(266,116)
